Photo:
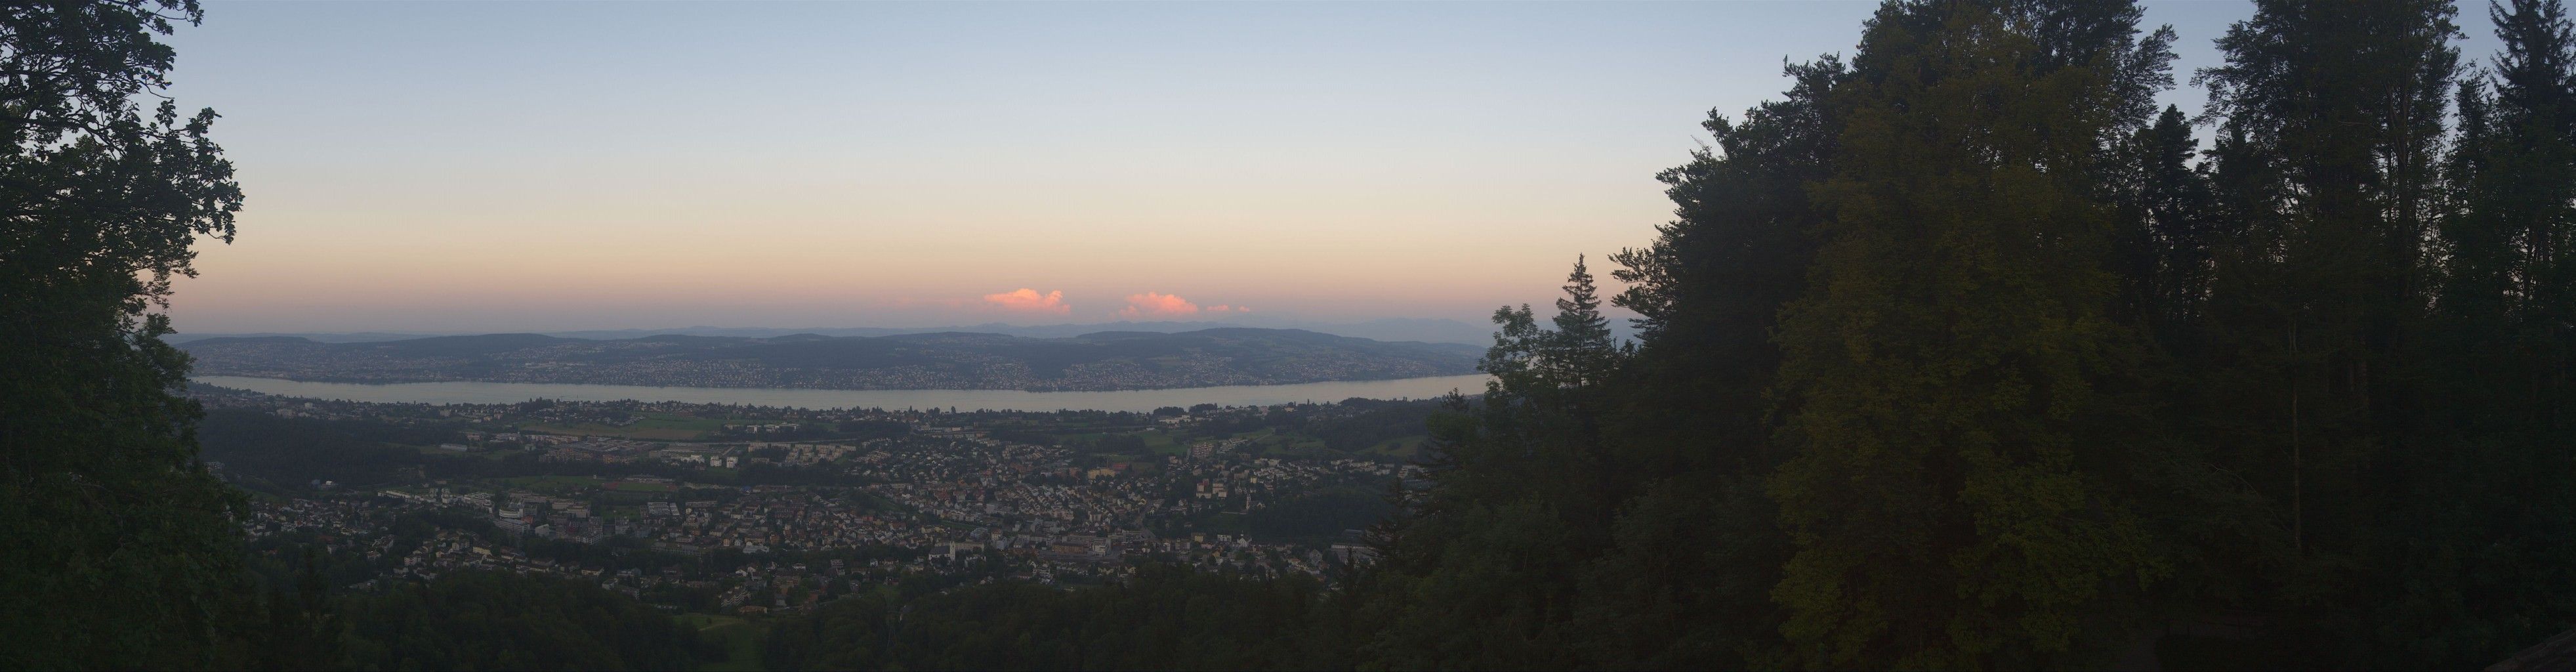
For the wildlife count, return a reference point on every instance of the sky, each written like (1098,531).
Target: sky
(501,166)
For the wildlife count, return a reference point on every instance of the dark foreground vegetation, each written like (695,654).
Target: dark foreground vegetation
(1960,354)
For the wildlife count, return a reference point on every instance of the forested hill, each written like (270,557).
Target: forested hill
(1109,360)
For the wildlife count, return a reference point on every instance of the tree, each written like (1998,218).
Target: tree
(1708,291)
(1581,345)
(304,631)
(1696,545)
(2483,508)
(2165,230)
(1478,569)
(2521,189)
(2313,378)
(122,551)
(1962,491)
(482,620)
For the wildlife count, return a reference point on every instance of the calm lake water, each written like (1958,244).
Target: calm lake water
(1016,400)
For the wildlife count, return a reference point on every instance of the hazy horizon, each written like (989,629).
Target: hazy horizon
(1263,322)
(475,167)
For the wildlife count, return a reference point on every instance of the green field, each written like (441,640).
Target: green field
(1271,442)
(654,426)
(1407,447)
(552,485)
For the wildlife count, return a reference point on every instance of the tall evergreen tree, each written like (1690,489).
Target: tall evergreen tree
(1479,572)
(1579,351)
(2165,229)
(1696,544)
(2314,376)
(2482,509)
(1708,291)
(2530,176)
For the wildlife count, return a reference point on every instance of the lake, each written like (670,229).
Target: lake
(459,392)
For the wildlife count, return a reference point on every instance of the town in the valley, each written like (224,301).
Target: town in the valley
(747,510)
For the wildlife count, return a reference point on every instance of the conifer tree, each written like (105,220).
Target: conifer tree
(1708,291)
(2165,229)
(1480,570)
(1581,348)
(2531,177)
(2481,508)
(1686,441)
(2307,381)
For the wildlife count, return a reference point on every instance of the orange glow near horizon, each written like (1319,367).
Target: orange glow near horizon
(1029,300)
(527,167)
(1155,305)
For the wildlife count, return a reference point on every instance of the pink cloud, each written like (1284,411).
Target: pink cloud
(1153,304)
(1029,300)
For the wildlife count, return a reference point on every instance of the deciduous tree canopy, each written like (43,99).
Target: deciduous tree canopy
(121,547)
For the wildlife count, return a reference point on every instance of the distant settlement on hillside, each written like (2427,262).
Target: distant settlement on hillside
(766,509)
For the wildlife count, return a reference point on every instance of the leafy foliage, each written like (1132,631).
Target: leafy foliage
(1953,494)
(122,551)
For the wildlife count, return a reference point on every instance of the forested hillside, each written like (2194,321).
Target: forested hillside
(502,621)
(1962,354)
(1162,619)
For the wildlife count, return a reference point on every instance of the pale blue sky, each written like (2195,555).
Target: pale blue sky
(537,166)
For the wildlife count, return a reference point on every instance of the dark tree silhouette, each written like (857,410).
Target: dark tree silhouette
(121,550)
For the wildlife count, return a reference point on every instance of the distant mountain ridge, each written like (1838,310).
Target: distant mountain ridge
(1104,360)
(1428,330)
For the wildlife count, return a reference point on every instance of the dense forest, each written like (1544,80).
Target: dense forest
(504,621)
(1164,618)
(1959,354)
(1963,354)
(266,453)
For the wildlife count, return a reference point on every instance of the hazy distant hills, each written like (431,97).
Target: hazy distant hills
(1429,330)
(1107,360)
